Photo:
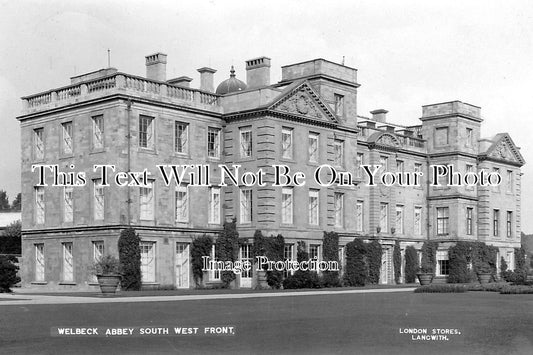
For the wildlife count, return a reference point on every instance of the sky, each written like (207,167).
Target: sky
(408,54)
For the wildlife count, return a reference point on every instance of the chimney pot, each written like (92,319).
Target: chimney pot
(183,81)
(156,67)
(258,72)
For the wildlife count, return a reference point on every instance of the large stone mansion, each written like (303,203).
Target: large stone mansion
(306,120)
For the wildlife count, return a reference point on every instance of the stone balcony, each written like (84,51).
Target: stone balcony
(407,137)
(120,83)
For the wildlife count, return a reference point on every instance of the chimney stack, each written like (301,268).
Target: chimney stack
(207,79)
(156,67)
(379,115)
(258,72)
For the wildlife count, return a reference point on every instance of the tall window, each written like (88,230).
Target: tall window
(313,147)
(384,217)
(214,274)
(443,216)
(146,132)
(399,219)
(99,200)
(510,181)
(338,149)
(339,209)
(98,252)
(39,204)
(147,201)
(418,221)
(442,263)
(384,162)
(182,204)
(213,142)
(496,171)
(496,222)
(313,207)
(359,216)
(399,166)
(287,255)
(469,137)
(441,136)
(98,132)
(509,224)
(418,167)
(286,143)
(67,137)
(469,220)
(68,263)
(39,262)
(68,209)
(246,206)
(38,144)
(358,162)
(246,142)
(470,171)
(339,105)
(314,251)
(147,261)
(181,137)
(214,205)
(287,206)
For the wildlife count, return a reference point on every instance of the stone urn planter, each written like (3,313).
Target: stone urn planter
(424,278)
(108,283)
(484,278)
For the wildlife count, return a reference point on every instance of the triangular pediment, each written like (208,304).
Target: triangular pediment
(303,102)
(504,149)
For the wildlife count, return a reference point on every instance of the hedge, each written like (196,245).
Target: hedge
(373,255)
(302,279)
(356,268)
(476,254)
(201,247)
(273,248)
(397,261)
(411,264)
(227,249)
(330,253)
(129,251)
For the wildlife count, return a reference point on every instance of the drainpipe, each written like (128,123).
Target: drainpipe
(128,136)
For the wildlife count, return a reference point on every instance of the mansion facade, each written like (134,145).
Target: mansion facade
(307,120)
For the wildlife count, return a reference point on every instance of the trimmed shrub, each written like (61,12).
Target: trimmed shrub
(397,261)
(273,248)
(429,257)
(516,289)
(458,264)
(227,249)
(331,253)
(373,255)
(201,247)
(411,264)
(129,251)
(356,268)
(441,288)
(8,273)
(302,279)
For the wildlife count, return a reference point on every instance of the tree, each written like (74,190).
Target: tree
(8,273)
(227,249)
(16,204)
(10,239)
(4,201)
(129,250)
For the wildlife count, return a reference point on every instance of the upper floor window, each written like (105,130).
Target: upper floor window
(399,166)
(39,205)
(469,137)
(213,142)
(384,162)
(510,181)
(384,217)
(286,143)
(246,206)
(339,105)
(441,136)
(338,149)
(495,222)
(182,204)
(399,219)
(359,216)
(418,221)
(67,137)
(68,209)
(496,171)
(38,144)
(469,220)
(287,206)
(509,224)
(313,147)
(181,137)
(339,209)
(358,162)
(146,132)
(443,215)
(147,201)
(469,171)
(313,207)
(99,200)
(214,205)
(418,167)
(98,131)
(246,142)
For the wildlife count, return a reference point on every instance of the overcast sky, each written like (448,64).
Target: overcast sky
(408,53)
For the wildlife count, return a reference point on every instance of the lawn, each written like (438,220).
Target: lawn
(489,323)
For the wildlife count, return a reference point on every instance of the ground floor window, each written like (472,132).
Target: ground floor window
(148,261)
(68,264)
(214,275)
(442,263)
(288,255)
(39,262)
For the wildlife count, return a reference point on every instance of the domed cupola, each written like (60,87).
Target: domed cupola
(230,85)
